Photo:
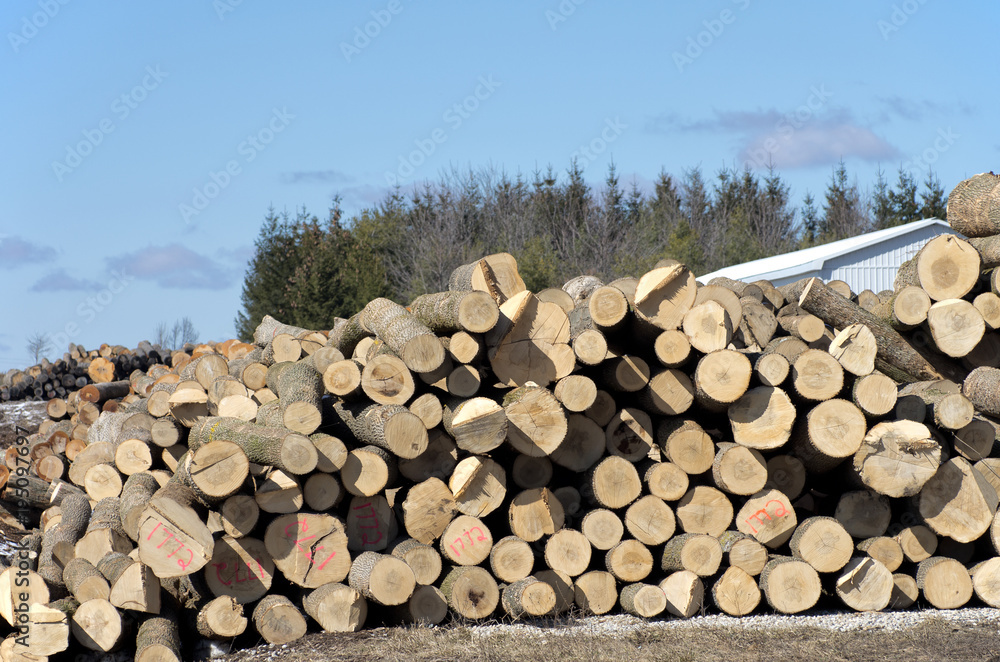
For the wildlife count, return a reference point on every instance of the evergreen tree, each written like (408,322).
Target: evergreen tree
(882,206)
(933,201)
(904,199)
(845,213)
(811,224)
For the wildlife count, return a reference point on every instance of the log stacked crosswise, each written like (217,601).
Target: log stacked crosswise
(654,445)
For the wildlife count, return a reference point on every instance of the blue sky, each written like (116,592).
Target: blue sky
(144,142)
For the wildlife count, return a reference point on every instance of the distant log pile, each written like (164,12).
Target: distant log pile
(653,445)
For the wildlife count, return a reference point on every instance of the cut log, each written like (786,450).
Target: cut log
(336,607)
(133,584)
(173,539)
(863,513)
(342,378)
(982,388)
(392,427)
(708,327)
(583,446)
(944,582)
(404,334)
(874,394)
(672,348)
(685,593)
(643,600)
(823,543)
(466,541)
(686,445)
(988,305)
(595,592)
(974,207)
(855,348)
(744,552)
(428,409)
(735,593)
(477,425)
(576,392)
(537,423)
(663,296)
(446,312)
(630,434)
(629,561)
(221,618)
(613,483)
(439,459)
(603,528)
(557,296)
(828,434)
(762,418)
(695,552)
(371,525)
(427,510)
(807,327)
(768,516)
(917,542)
(789,585)
(424,560)
(321,492)
(382,578)
(241,569)
(904,591)
(478,485)
(947,267)
(666,480)
(816,375)
(427,606)
(704,510)
(956,326)
(278,447)
(563,587)
(494,274)
(387,381)
(97,625)
(650,521)
(625,374)
(897,458)
(528,472)
(840,313)
(738,469)
(84,582)
(884,550)
(471,592)
(958,502)
(721,378)
(865,585)
(986,581)
(530,343)
(528,597)
(772,369)
(279,621)
(368,470)
(239,514)
(536,513)
(568,551)
(511,559)
(669,393)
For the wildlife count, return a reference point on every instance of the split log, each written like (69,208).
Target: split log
(664,295)
(685,593)
(530,342)
(428,510)
(133,584)
(494,274)
(97,625)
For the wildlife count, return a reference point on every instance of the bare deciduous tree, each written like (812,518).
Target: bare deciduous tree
(38,345)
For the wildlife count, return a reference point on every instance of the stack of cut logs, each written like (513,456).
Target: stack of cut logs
(76,369)
(651,444)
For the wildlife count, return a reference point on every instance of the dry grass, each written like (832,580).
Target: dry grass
(931,641)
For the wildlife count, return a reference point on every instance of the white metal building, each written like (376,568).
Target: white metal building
(865,262)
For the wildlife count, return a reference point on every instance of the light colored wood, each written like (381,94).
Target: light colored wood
(708,327)
(917,542)
(944,582)
(650,521)
(428,510)
(669,393)
(321,492)
(947,267)
(428,409)
(644,600)
(865,584)
(477,425)
(663,296)
(479,486)
(568,551)
(279,493)
(855,348)
(595,592)
(424,560)
(575,392)
(367,470)
(789,585)
(528,597)
(241,569)
(735,592)
(387,381)
(698,553)
(666,480)
(768,516)
(239,514)
(536,513)
(466,541)
(744,552)
(762,418)
(904,591)
(537,423)
(530,343)
(97,625)
(603,528)
(685,593)
(885,550)
(721,378)
(629,561)
(472,592)
(686,444)
(986,581)
(738,469)
(828,434)
(672,347)
(823,543)
(511,559)
(279,621)
(897,458)
(874,394)
(614,482)
(816,375)
(439,459)
(956,326)
(958,502)
(173,539)
(704,509)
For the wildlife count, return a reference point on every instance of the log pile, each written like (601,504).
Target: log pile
(653,444)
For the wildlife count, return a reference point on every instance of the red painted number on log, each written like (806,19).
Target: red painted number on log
(780,511)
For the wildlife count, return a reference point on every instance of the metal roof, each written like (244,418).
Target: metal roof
(788,265)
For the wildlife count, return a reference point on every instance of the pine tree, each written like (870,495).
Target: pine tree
(933,201)
(904,199)
(811,229)
(882,207)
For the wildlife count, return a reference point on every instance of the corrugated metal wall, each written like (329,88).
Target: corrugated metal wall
(874,267)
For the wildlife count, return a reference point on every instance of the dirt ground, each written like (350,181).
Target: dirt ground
(934,639)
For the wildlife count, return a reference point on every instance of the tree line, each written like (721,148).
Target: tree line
(306,271)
